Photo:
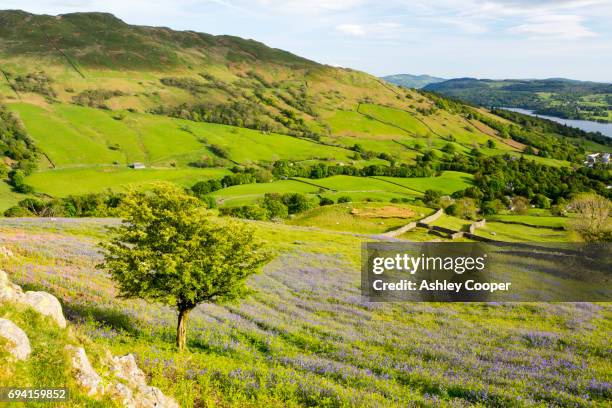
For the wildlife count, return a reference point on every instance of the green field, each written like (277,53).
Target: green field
(535,220)
(447,183)
(73,135)
(395,117)
(251,193)
(63,182)
(357,188)
(8,198)
(358,184)
(351,123)
(454,223)
(339,218)
(520,233)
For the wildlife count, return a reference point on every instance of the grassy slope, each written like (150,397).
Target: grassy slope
(250,193)
(73,135)
(64,182)
(339,218)
(49,364)
(306,338)
(393,121)
(447,183)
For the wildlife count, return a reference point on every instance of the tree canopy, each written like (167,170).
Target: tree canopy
(167,250)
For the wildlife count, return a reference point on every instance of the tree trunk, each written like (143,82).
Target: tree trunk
(181,329)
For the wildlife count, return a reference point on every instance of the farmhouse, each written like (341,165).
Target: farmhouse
(594,158)
(137,165)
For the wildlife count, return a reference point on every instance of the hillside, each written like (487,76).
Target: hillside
(85,96)
(315,161)
(306,337)
(556,97)
(412,81)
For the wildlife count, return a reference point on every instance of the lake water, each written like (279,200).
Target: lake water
(589,126)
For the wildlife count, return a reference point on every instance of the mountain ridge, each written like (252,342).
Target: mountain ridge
(412,81)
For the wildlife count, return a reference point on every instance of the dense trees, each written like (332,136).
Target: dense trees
(501,176)
(275,206)
(19,148)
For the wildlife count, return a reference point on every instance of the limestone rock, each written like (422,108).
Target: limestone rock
(9,292)
(19,344)
(144,396)
(125,368)
(152,397)
(84,373)
(121,393)
(46,304)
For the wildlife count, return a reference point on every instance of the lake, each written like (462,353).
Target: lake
(587,125)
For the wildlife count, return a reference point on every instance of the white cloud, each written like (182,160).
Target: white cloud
(373,30)
(555,26)
(299,6)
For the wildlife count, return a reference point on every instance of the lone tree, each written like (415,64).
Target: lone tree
(166,250)
(592,222)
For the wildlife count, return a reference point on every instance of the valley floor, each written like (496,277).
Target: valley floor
(307,338)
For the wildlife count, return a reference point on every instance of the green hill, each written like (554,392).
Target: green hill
(412,81)
(85,95)
(556,97)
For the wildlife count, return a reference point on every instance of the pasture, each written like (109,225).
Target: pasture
(448,182)
(521,233)
(306,337)
(74,135)
(63,182)
(365,218)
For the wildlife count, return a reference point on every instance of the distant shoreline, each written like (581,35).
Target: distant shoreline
(586,125)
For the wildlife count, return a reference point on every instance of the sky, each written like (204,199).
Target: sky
(446,38)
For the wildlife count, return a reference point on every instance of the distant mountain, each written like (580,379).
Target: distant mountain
(412,81)
(560,97)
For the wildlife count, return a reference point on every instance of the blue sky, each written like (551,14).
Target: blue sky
(448,38)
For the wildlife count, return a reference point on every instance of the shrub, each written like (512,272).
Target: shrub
(593,223)
(464,208)
(520,205)
(492,207)
(325,201)
(273,203)
(432,197)
(250,212)
(297,203)
(541,201)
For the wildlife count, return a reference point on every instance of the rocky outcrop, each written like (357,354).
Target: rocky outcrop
(126,383)
(142,395)
(84,374)
(19,344)
(45,304)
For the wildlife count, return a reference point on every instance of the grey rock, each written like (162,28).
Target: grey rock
(84,373)
(46,304)
(144,396)
(19,344)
